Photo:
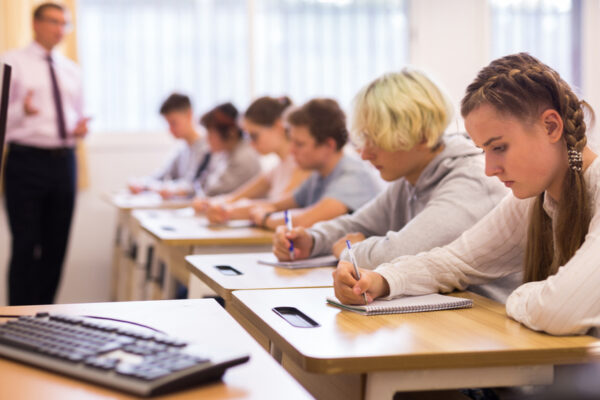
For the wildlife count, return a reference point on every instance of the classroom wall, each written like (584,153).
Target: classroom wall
(449,39)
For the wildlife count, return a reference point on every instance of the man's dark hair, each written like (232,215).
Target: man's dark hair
(38,13)
(324,119)
(176,102)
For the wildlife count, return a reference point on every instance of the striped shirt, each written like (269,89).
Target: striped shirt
(565,303)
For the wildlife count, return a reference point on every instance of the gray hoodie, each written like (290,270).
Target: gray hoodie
(451,194)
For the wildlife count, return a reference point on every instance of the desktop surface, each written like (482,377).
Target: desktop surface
(226,273)
(168,228)
(125,201)
(202,321)
(346,342)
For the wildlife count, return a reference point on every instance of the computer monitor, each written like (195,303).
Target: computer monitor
(5,70)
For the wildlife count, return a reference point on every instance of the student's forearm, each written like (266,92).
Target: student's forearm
(254,189)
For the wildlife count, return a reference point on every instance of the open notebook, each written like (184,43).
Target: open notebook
(315,262)
(408,304)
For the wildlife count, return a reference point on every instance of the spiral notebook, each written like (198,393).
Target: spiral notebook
(408,304)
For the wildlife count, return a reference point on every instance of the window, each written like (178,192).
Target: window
(134,53)
(548,29)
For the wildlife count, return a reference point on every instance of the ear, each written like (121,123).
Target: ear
(332,144)
(278,124)
(553,125)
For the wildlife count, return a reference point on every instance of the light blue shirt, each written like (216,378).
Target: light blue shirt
(350,183)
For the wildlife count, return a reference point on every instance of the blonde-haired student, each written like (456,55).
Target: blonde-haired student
(531,127)
(263,122)
(438,186)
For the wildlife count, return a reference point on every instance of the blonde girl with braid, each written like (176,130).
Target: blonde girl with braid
(532,128)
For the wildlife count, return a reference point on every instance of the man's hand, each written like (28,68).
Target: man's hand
(303,243)
(339,246)
(260,213)
(28,107)
(218,213)
(81,129)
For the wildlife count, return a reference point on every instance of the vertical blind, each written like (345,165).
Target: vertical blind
(548,29)
(134,53)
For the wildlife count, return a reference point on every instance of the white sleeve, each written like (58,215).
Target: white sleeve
(491,249)
(567,302)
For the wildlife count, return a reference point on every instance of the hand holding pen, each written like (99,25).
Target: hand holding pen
(356,272)
(288,223)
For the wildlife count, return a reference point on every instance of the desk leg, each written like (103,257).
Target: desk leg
(383,385)
(119,253)
(174,258)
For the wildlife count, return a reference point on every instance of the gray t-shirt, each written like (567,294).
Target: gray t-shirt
(350,183)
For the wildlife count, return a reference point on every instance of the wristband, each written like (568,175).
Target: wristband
(263,223)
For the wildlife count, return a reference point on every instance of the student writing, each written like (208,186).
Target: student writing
(531,126)
(438,186)
(263,121)
(338,183)
(233,162)
(177,111)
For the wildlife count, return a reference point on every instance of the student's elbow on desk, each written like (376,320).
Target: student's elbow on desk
(545,313)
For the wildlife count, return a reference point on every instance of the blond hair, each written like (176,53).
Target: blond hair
(522,86)
(400,110)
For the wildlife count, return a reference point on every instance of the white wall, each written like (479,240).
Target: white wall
(591,64)
(448,39)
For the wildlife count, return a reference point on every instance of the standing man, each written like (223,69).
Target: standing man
(45,118)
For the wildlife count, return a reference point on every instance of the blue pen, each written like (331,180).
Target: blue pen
(288,223)
(355,267)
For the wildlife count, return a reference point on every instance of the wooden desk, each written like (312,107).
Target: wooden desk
(253,276)
(202,321)
(349,353)
(177,237)
(130,249)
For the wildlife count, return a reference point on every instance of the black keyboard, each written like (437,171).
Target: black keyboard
(136,361)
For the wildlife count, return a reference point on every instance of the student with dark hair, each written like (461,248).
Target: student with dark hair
(233,161)
(263,121)
(338,184)
(180,169)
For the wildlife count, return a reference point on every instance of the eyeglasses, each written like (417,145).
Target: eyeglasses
(56,22)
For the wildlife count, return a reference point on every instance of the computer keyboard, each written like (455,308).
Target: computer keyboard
(136,361)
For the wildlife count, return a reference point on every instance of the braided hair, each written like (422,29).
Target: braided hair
(522,86)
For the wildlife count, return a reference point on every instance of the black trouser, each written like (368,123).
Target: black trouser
(40,196)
